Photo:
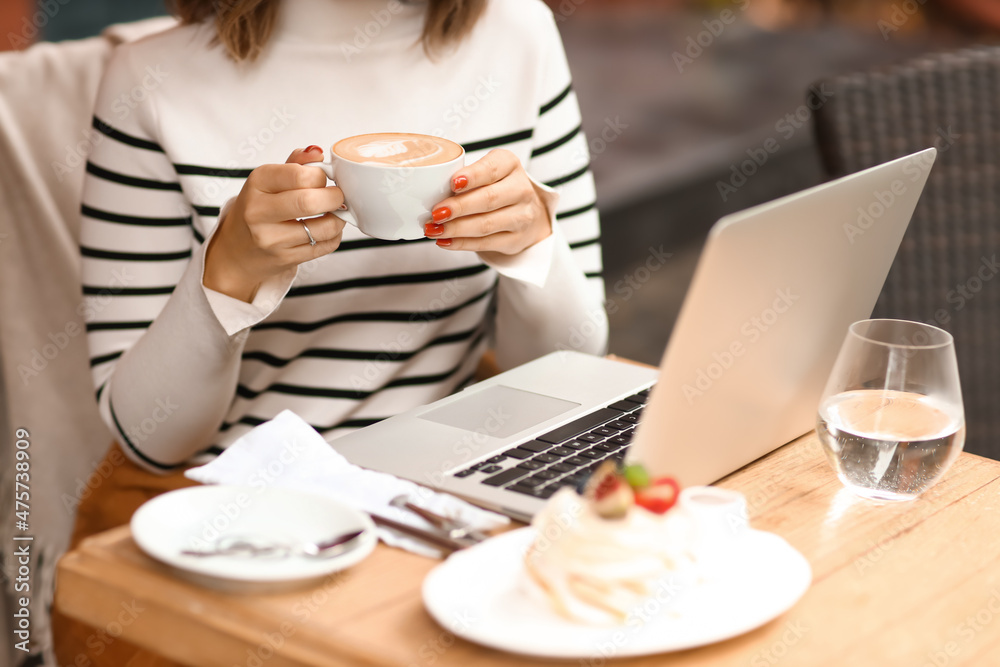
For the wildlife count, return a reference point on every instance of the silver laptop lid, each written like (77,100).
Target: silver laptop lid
(770,302)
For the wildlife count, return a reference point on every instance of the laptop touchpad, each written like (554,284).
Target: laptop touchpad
(499,411)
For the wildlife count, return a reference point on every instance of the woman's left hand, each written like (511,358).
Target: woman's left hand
(495,208)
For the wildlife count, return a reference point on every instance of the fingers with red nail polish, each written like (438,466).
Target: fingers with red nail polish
(494,206)
(312,149)
(433,229)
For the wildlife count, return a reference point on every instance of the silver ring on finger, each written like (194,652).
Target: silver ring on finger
(312,241)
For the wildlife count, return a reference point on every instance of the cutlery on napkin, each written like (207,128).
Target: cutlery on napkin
(288,452)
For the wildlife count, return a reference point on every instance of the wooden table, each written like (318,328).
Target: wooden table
(912,584)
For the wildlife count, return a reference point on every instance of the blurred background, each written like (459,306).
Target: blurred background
(674,93)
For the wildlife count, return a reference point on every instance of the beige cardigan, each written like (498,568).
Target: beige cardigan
(46,98)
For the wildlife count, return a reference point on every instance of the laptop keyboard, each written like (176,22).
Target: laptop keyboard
(565,456)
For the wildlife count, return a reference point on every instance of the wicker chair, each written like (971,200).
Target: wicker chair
(946,272)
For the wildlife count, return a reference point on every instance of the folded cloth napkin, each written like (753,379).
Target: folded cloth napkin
(287,452)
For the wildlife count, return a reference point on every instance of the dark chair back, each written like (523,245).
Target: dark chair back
(946,272)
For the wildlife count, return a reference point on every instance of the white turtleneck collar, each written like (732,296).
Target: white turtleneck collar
(354,22)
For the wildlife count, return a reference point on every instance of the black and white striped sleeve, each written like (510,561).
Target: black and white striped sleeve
(137,244)
(560,158)
(568,311)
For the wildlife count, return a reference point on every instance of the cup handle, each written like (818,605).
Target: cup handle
(330,169)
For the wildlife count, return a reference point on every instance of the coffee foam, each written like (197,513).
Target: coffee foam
(397,149)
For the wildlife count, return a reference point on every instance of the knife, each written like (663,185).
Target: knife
(440,541)
(453,528)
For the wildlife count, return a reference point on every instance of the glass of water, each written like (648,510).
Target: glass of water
(891,418)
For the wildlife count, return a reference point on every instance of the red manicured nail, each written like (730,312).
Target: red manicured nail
(310,149)
(433,229)
(343,207)
(444,243)
(459,183)
(441,214)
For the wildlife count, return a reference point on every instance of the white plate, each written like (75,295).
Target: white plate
(481,594)
(193,518)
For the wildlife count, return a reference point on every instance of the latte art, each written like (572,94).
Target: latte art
(392,180)
(397,149)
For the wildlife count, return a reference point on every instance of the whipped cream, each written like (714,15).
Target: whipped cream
(599,570)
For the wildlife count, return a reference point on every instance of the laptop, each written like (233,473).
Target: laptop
(774,292)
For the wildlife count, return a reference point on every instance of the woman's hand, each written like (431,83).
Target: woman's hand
(495,208)
(261,236)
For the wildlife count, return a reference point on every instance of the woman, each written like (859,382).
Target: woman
(203,324)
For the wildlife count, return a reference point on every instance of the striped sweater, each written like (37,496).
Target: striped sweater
(372,329)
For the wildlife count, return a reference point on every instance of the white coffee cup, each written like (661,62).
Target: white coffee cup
(390,201)
(719,516)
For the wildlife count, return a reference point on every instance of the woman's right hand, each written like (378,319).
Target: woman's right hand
(261,236)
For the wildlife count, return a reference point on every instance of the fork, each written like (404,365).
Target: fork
(455,529)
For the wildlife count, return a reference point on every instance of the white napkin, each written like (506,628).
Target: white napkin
(287,452)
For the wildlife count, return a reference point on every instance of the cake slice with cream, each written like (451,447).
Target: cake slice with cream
(601,555)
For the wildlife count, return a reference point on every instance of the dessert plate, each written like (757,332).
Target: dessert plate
(482,594)
(195,517)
